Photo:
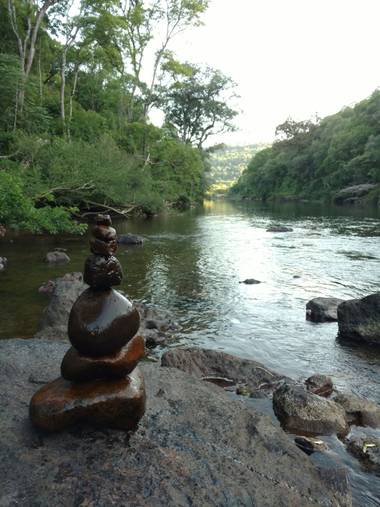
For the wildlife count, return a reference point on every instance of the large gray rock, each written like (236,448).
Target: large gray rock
(301,411)
(194,446)
(206,364)
(130,239)
(63,292)
(352,195)
(359,319)
(359,411)
(323,309)
(57,257)
(156,325)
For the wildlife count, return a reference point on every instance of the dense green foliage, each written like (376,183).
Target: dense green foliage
(315,159)
(75,133)
(227,164)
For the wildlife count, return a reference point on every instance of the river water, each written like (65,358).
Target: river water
(192,263)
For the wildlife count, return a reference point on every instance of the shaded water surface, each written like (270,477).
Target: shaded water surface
(192,263)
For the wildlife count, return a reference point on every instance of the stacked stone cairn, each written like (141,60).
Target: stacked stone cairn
(101,383)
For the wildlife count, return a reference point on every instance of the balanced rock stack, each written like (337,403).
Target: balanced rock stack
(101,383)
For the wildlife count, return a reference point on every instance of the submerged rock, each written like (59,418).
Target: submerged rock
(250,281)
(359,320)
(279,228)
(359,411)
(130,239)
(323,309)
(194,446)
(256,378)
(303,412)
(57,257)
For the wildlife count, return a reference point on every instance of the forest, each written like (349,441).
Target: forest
(314,159)
(79,83)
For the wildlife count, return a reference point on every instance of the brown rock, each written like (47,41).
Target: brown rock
(102,272)
(99,247)
(114,404)
(104,233)
(320,384)
(102,322)
(103,219)
(79,368)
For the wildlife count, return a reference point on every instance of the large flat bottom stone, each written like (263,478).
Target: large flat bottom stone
(116,404)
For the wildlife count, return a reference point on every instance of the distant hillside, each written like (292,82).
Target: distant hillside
(227,164)
(317,159)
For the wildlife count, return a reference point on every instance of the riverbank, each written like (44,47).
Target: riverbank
(195,446)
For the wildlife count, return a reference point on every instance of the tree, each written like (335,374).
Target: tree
(26,18)
(196,104)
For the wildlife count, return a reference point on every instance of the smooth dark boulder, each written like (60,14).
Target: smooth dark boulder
(130,239)
(65,290)
(320,384)
(250,281)
(102,272)
(303,412)
(359,320)
(194,447)
(102,322)
(323,309)
(310,444)
(359,411)
(77,368)
(202,363)
(57,257)
(61,404)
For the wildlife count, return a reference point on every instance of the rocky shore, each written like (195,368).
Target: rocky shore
(194,446)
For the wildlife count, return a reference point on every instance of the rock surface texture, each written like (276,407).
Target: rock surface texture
(57,257)
(352,195)
(323,309)
(359,411)
(194,446)
(206,364)
(301,411)
(100,383)
(359,320)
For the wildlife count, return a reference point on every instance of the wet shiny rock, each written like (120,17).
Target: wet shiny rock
(102,322)
(79,368)
(104,233)
(102,272)
(116,404)
(100,247)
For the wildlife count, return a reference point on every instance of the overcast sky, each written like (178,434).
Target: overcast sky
(289,57)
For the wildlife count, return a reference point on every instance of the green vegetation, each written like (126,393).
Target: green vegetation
(314,159)
(226,165)
(75,133)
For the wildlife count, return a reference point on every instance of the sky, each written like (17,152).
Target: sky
(289,58)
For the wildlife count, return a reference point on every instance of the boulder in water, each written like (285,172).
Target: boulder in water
(279,228)
(130,239)
(57,257)
(3,263)
(319,384)
(359,411)
(323,309)
(359,320)
(303,412)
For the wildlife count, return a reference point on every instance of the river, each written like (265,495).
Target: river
(191,264)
